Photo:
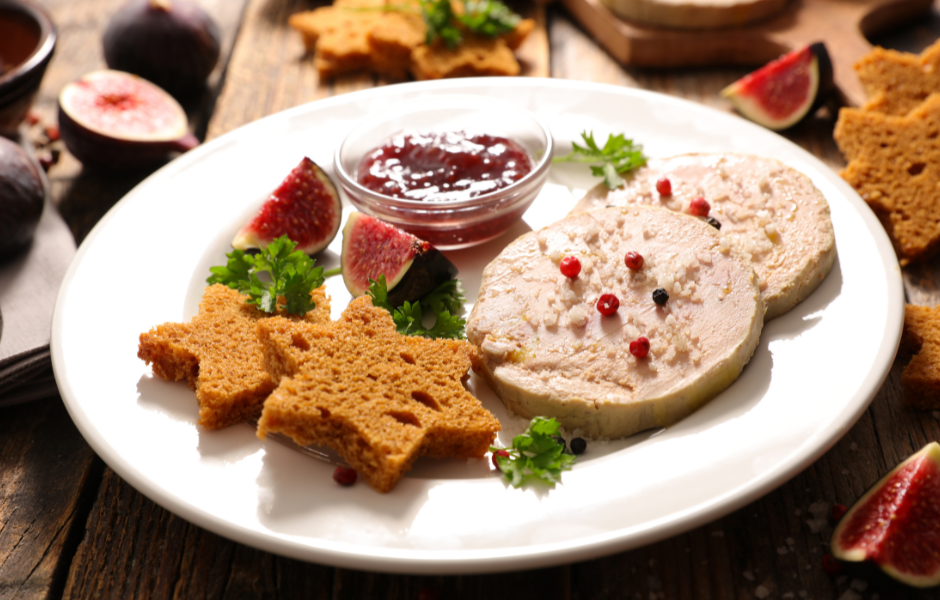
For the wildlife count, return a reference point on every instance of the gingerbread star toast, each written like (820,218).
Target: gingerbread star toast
(893,164)
(897,82)
(219,355)
(378,398)
(920,380)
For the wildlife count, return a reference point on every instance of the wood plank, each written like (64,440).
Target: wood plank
(544,584)
(45,466)
(842,25)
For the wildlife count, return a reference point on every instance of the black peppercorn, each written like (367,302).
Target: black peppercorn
(578,446)
(660,296)
(713,222)
(561,441)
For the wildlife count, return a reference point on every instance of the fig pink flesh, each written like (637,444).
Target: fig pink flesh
(781,85)
(374,248)
(303,208)
(899,524)
(124,105)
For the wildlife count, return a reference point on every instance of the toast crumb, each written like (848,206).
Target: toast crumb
(893,164)
(219,355)
(920,380)
(380,399)
(897,82)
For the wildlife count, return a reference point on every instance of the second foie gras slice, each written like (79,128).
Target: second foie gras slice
(548,351)
(771,212)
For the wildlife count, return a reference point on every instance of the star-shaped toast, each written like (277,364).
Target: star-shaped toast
(896,82)
(219,355)
(378,398)
(920,380)
(893,165)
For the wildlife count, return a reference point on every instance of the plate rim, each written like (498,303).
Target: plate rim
(503,559)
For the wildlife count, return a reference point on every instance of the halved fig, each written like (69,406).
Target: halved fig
(896,524)
(305,208)
(412,267)
(782,92)
(115,120)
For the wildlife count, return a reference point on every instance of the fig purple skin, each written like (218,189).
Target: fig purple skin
(112,121)
(172,43)
(22,195)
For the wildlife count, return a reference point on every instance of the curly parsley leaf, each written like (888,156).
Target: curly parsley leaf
(293,276)
(441,23)
(618,156)
(491,18)
(535,456)
(445,301)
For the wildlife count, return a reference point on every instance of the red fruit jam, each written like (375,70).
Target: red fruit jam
(443,166)
(608,304)
(570,267)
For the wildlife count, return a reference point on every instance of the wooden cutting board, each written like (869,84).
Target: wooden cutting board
(841,24)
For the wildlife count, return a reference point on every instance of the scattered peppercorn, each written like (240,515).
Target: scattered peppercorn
(345,476)
(713,222)
(607,304)
(578,446)
(660,296)
(830,564)
(699,207)
(32,117)
(837,512)
(52,132)
(640,347)
(570,267)
(633,260)
(560,440)
(503,453)
(664,187)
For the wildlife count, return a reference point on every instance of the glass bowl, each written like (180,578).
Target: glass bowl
(449,225)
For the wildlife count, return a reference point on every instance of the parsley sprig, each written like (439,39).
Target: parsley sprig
(618,156)
(490,18)
(445,301)
(293,276)
(535,455)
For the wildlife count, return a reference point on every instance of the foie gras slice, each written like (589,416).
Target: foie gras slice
(548,351)
(769,211)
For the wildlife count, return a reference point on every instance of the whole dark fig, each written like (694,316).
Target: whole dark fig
(172,43)
(22,194)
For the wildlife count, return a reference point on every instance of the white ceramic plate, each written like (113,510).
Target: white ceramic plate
(813,374)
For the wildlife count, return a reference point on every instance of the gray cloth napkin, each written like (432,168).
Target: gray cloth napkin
(29,283)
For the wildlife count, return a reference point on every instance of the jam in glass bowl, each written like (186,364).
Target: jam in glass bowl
(453,170)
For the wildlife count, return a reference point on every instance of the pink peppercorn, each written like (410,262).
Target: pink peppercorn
(570,267)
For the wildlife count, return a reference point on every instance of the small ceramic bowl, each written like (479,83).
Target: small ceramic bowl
(457,224)
(27,40)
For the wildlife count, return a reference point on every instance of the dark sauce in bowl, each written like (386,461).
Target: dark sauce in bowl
(443,166)
(19,37)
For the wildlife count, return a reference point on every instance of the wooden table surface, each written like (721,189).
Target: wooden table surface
(70,527)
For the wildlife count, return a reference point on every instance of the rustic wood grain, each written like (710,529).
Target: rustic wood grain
(842,25)
(45,466)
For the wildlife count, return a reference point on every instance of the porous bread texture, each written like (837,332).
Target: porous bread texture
(219,355)
(475,56)
(898,82)
(894,164)
(357,35)
(920,381)
(378,398)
